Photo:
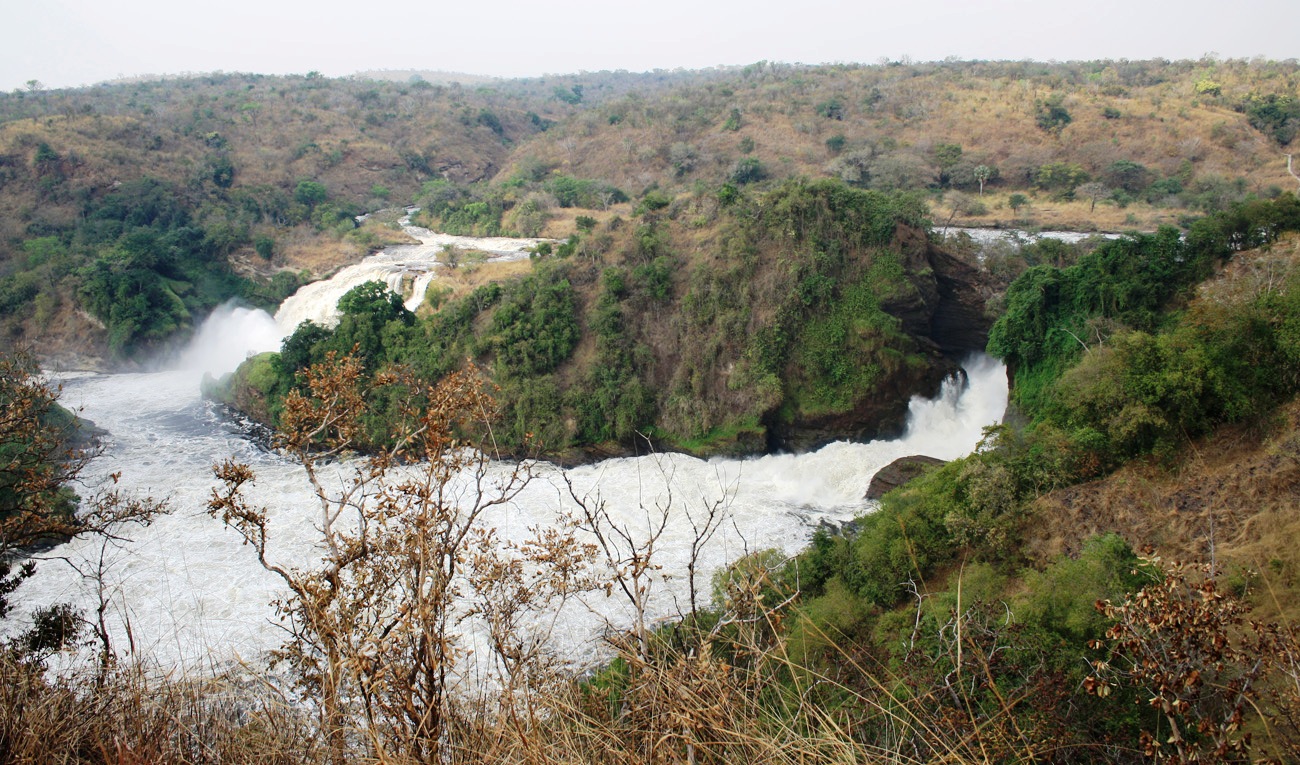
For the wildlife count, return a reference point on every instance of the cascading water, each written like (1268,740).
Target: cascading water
(407,270)
(189,594)
(229,335)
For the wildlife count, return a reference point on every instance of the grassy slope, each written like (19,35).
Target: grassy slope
(908,110)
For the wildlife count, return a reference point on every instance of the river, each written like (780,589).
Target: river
(186,593)
(408,270)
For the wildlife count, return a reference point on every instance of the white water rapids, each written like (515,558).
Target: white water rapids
(185,593)
(407,270)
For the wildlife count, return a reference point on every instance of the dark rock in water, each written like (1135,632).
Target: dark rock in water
(897,473)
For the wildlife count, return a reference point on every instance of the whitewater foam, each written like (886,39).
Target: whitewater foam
(188,593)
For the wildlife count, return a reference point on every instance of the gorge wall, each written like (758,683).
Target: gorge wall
(779,320)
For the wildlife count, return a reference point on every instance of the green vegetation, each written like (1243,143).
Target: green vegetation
(1110,363)
(1051,114)
(513,158)
(747,352)
(1126,353)
(992,610)
(140,263)
(39,451)
(1275,115)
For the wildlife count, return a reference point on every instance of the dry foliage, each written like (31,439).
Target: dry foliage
(130,717)
(374,629)
(1186,646)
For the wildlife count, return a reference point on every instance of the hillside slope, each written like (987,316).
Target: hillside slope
(778,319)
(1228,498)
(269,171)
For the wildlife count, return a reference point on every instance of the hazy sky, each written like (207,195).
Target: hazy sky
(66,43)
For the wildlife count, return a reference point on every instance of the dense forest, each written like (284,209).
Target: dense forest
(743,260)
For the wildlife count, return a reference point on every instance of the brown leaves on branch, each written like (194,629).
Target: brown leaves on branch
(374,624)
(41,453)
(38,456)
(1185,645)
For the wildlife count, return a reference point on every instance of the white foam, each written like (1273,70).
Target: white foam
(228,336)
(408,270)
(192,594)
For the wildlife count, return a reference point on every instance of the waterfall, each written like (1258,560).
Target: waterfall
(228,336)
(190,594)
(408,270)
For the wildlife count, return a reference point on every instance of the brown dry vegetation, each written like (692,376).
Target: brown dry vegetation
(986,108)
(350,136)
(458,282)
(1229,498)
(1061,215)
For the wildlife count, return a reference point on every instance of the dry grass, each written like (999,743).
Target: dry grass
(302,248)
(1045,214)
(988,110)
(676,709)
(129,717)
(465,279)
(1230,499)
(563,219)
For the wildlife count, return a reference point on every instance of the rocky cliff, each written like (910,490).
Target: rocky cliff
(792,317)
(943,319)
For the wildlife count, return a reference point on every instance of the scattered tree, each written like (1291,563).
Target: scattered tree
(1132,177)
(1060,178)
(1017,202)
(1094,192)
(832,109)
(310,193)
(747,170)
(682,156)
(854,168)
(732,123)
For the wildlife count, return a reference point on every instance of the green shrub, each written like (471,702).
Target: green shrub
(747,170)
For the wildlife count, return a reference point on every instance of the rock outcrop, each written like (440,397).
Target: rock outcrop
(897,473)
(959,323)
(944,314)
(249,390)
